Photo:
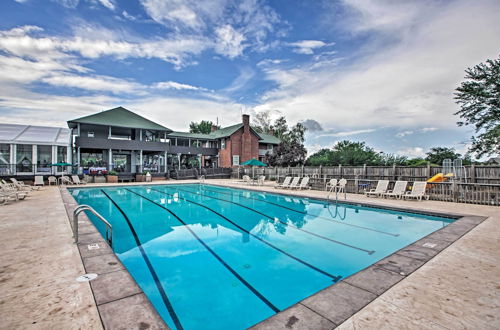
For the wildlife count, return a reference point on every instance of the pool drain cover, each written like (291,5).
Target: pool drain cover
(86,277)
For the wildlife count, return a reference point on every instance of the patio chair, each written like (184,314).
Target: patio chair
(261,180)
(39,180)
(417,191)
(398,191)
(331,184)
(20,185)
(76,180)
(303,184)
(247,179)
(294,183)
(65,180)
(340,188)
(285,183)
(379,190)
(52,180)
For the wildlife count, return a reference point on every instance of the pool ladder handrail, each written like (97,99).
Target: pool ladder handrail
(80,209)
(337,188)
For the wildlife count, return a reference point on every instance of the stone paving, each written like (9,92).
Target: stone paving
(38,267)
(458,289)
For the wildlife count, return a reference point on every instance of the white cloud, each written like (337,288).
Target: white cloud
(428,129)
(68,3)
(107,3)
(421,130)
(92,83)
(346,133)
(412,152)
(246,74)
(175,85)
(229,42)
(307,46)
(402,84)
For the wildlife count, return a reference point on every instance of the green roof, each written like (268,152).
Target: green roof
(226,131)
(270,139)
(119,117)
(200,136)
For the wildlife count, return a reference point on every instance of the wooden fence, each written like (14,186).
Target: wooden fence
(479,184)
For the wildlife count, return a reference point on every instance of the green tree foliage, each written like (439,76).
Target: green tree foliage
(437,154)
(203,127)
(419,161)
(291,150)
(353,154)
(261,122)
(479,100)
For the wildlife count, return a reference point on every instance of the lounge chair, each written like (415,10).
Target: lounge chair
(304,183)
(398,191)
(20,185)
(379,190)
(294,183)
(12,194)
(52,180)
(39,180)
(76,180)
(331,184)
(417,191)
(285,183)
(65,180)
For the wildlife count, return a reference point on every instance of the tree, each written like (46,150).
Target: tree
(291,150)
(261,122)
(354,154)
(204,127)
(437,154)
(479,100)
(323,157)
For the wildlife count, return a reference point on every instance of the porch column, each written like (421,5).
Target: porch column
(179,159)
(34,158)
(110,159)
(109,132)
(199,161)
(166,160)
(12,160)
(140,160)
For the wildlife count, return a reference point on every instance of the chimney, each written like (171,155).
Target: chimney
(213,128)
(246,122)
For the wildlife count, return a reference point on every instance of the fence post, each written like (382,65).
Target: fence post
(428,171)
(473,173)
(365,173)
(356,184)
(394,172)
(302,171)
(340,171)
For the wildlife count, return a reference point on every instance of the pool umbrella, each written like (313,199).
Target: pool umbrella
(61,164)
(253,162)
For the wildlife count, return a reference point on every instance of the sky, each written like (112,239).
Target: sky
(379,71)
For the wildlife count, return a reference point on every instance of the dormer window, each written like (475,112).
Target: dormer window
(90,134)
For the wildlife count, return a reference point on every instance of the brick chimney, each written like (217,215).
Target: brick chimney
(246,123)
(213,128)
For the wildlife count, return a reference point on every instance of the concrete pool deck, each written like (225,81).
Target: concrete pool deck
(458,288)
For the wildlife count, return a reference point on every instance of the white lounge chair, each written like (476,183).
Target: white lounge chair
(65,180)
(331,184)
(294,183)
(304,183)
(417,191)
(285,183)
(398,191)
(261,180)
(379,190)
(39,180)
(76,180)
(20,185)
(12,194)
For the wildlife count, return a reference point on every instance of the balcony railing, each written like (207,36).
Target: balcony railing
(32,169)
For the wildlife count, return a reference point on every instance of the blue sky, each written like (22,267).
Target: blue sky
(380,71)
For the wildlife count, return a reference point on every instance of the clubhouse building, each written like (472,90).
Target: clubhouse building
(122,141)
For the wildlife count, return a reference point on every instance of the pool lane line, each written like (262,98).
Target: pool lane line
(335,278)
(287,224)
(159,286)
(311,215)
(238,276)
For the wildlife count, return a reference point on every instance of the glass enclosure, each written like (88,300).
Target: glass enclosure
(24,158)
(5,159)
(62,157)
(44,158)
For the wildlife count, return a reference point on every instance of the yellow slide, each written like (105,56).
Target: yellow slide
(440,177)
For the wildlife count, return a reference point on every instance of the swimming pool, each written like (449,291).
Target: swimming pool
(217,257)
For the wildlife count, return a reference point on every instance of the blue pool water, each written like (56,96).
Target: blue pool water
(221,258)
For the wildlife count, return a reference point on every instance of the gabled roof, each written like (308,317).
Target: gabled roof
(269,139)
(226,131)
(12,133)
(186,135)
(119,117)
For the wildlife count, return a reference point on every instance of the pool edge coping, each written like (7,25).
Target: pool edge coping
(125,301)
(419,252)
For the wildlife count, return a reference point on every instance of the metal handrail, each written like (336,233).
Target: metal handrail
(80,209)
